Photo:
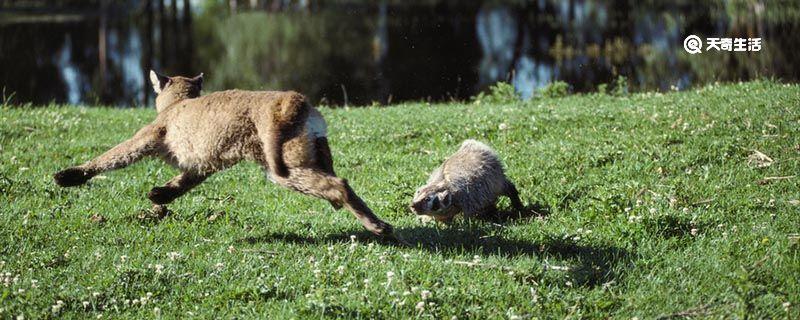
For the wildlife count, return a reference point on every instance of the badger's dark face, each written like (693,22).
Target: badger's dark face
(431,200)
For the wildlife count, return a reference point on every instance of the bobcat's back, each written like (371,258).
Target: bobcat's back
(217,130)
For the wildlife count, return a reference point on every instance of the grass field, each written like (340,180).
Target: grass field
(649,205)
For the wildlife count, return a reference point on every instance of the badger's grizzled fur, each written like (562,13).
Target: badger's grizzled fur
(469,181)
(201,135)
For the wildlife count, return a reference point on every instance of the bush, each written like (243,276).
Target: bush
(602,88)
(555,89)
(499,93)
(620,86)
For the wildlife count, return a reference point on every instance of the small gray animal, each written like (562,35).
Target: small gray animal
(469,181)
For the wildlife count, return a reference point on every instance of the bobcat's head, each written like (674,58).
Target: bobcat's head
(170,90)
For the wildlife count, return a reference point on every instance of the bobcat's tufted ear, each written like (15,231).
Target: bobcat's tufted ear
(159,81)
(198,80)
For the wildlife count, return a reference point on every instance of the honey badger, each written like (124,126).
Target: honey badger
(201,135)
(469,181)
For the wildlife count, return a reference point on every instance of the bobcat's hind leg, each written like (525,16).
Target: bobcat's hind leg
(273,152)
(325,161)
(175,187)
(336,190)
(145,142)
(324,156)
(286,121)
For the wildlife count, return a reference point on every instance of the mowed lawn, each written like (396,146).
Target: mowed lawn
(648,205)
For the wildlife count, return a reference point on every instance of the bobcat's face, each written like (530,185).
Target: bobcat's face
(173,89)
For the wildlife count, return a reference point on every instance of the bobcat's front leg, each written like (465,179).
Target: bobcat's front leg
(176,187)
(145,142)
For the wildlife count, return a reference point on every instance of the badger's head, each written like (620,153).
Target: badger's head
(433,200)
(173,89)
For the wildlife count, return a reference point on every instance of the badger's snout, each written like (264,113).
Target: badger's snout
(416,208)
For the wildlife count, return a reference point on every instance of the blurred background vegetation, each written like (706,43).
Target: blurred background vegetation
(367,52)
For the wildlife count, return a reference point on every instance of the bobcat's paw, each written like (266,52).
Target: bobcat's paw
(161,195)
(380,228)
(71,177)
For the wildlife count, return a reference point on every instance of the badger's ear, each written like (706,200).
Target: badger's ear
(198,80)
(445,199)
(159,81)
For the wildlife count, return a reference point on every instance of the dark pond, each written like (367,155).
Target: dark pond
(360,52)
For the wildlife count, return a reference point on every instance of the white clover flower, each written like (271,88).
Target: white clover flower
(425,294)
(85,304)
(219,265)
(159,268)
(174,255)
(420,306)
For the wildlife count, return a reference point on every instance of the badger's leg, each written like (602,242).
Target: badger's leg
(336,190)
(488,212)
(176,187)
(513,195)
(144,143)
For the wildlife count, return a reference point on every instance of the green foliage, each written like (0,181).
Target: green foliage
(647,206)
(288,51)
(499,93)
(620,86)
(602,88)
(555,89)
(7,99)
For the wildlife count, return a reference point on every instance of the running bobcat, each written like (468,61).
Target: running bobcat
(201,135)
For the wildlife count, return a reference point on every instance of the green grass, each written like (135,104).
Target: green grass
(650,206)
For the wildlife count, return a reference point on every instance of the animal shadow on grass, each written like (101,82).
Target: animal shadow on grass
(511,215)
(586,265)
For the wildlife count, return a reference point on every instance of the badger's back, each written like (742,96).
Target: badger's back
(475,175)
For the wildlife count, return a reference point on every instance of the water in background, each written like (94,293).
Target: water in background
(383,51)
